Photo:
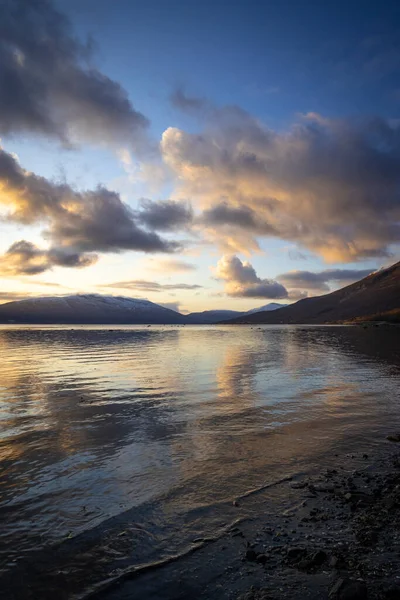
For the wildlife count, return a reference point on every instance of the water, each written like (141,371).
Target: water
(151,432)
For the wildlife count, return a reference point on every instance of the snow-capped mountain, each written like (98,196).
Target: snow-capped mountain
(95,308)
(88,308)
(270,306)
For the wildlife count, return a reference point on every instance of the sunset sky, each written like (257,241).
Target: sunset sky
(202,155)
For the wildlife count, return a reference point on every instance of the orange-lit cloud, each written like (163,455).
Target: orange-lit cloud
(328,185)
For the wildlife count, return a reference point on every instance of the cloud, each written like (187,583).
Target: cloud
(12,296)
(319,281)
(75,222)
(190,104)
(171,305)
(296,255)
(233,228)
(296,295)
(241,280)
(170,266)
(164,215)
(151,286)
(24,258)
(49,86)
(242,217)
(328,185)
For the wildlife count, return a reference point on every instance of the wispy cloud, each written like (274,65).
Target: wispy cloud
(169,265)
(190,104)
(309,280)
(150,286)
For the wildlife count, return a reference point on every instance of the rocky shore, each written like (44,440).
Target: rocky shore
(339,539)
(341,543)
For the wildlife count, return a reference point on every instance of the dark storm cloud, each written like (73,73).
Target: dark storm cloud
(48,85)
(164,215)
(75,222)
(319,280)
(151,286)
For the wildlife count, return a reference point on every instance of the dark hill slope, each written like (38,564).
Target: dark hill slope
(370,297)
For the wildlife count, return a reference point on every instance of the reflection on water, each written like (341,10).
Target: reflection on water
(162,424)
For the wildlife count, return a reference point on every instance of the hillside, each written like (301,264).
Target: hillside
(208,317)
(266,307)
(88,308)
(367,299)
(215,316)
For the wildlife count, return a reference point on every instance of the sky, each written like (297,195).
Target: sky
(201,155)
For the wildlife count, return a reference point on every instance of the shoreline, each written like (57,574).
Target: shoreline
(339,540)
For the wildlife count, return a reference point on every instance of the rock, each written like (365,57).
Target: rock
(314,560)
(333,562)
(335,589)
(319,558)
(324,487)
(298,485)
(262,558)
(393,437)
(304,565)
(294,553)
(346,589)
(251,555)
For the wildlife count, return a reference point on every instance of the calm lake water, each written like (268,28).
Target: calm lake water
(155,430)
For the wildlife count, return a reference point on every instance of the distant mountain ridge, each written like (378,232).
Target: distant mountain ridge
(215,316)
(375,297)
(87,309)
(107,310)
(266,307)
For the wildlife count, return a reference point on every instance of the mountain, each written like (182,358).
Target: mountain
(266,307)
(376,297)
(207,317)
(88,308)
(216,316)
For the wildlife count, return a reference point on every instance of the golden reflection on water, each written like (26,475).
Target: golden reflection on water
(112,419)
